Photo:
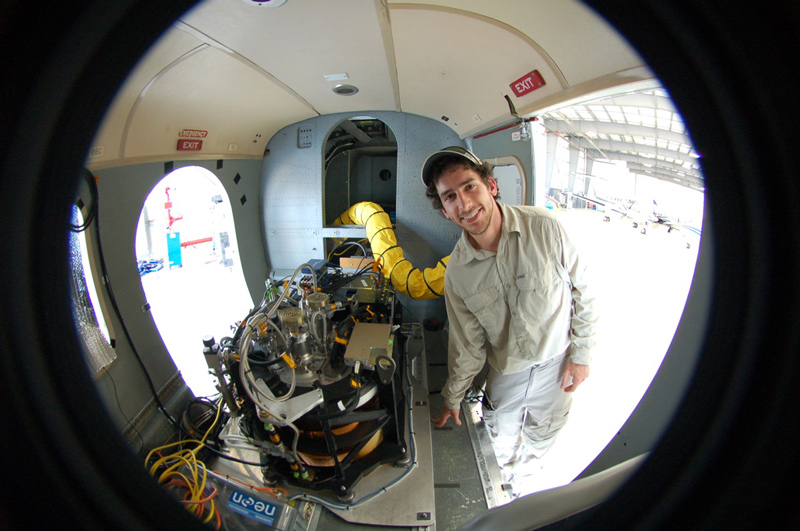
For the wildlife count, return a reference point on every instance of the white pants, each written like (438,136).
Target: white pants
(529,409)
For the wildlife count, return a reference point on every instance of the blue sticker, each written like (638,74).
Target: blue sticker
(254,508)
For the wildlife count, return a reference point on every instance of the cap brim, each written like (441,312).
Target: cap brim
(427,167)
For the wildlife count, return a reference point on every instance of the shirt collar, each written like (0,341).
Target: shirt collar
(511,221)
(510,224)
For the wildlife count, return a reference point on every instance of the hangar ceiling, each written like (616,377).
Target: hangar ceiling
(641,128)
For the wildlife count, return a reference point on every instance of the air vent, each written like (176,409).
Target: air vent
(305,136)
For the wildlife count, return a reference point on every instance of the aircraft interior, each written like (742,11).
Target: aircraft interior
(319,347)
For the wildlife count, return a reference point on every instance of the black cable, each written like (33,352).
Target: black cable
(86,174)
(263,362)
(196,424)
(211,449)
(408,279)
(335,285)
(351,405)
(346,244)
(115,307)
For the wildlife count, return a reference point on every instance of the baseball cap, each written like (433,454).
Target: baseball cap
(427,168)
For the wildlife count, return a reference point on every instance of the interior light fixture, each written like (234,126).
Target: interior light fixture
(265,3)
(345,90)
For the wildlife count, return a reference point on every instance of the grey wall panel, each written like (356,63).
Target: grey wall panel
(122,193)
(337,189)
(429,234)
(426,236)
(291,192)
(370,187)
(500,144)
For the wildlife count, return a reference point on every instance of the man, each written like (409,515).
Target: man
(516,295)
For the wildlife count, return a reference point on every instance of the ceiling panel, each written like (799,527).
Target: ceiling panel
(560,27)
(302,41)
(109,137)
(443,71)
(188,96)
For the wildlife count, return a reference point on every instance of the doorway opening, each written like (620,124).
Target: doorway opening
(360,165)
(190,270)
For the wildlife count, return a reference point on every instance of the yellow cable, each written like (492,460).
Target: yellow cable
(196,484)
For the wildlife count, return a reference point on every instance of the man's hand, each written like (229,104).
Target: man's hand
(574,375)
(446,414)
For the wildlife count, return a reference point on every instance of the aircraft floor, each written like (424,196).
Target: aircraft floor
(458,490)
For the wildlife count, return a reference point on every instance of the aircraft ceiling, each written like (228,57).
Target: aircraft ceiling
(242,70)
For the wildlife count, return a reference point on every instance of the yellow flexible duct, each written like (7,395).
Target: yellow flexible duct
(406,278)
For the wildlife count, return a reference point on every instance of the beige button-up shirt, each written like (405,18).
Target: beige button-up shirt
(518,307)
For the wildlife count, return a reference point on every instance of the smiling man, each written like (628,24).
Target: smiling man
(517,295)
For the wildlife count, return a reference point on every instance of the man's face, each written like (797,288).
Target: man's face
(466,199)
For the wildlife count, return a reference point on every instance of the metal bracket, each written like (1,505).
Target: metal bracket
(286,412)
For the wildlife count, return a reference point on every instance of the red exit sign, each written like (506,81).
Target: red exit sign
(190,145)
(527,83)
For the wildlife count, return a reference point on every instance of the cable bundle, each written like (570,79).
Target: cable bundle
(186,476)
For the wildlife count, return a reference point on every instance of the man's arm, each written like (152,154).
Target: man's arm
(583,329)
(466,355)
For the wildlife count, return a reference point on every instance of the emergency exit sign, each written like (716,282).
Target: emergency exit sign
(527,83)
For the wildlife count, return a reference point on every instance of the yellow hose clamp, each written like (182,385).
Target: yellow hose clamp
(288,359)
(340,340)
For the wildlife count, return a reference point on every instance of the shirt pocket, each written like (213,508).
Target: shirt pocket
(488,308)
(538,295)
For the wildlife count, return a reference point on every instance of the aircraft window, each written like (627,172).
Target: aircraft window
(90,321)
(509,181)
(189,267)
